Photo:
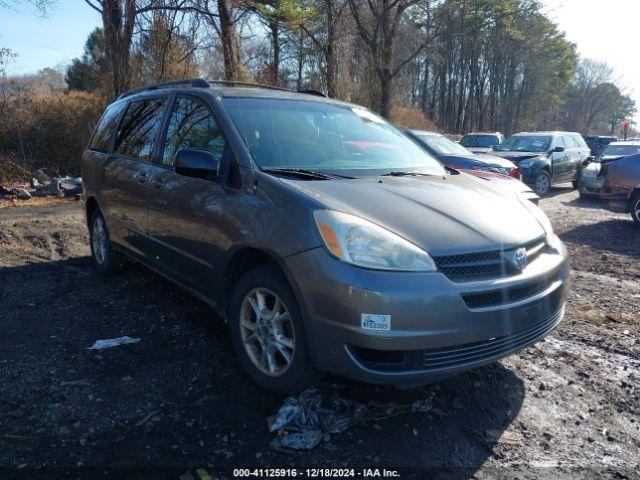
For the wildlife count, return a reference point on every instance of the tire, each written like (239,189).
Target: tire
(288,368)
(635,208)
(106,259)
(542,183)
(575,184)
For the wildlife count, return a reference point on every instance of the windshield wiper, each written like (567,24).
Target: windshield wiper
(405,174)
(304,173)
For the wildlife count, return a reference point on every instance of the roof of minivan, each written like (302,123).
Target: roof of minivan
(240,92)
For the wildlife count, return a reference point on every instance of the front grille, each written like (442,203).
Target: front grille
(470,353)
(505,295)
(483,265)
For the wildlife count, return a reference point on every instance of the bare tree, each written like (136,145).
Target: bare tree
(378,22)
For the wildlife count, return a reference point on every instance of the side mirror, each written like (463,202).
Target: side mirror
(587,161)
(558,150)
(196,163)
(494,147)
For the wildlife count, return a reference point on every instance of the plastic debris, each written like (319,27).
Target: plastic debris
(58,186)
(21,193)
(41,176)
(304,421)
(112,342)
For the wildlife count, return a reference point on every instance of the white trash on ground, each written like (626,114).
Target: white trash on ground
(112,342)
(302,422)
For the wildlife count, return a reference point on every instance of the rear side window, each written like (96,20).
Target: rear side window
(571,142)
(104,132)
(192,125)
(139,128)
(580,141)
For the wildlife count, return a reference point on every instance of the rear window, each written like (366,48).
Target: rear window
(483,141)
(139,128)
(103,134)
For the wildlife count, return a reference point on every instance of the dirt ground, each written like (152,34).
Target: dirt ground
(568,407)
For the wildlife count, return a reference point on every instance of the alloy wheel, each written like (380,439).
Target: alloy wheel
(542,184)
(267,332)
(100,240)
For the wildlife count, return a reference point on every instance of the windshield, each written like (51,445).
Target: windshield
(442,145)
(524,143)
(483,141)
(620,150)
(324,137)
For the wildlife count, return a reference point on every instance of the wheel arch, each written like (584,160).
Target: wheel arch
(90,206)
(245,258)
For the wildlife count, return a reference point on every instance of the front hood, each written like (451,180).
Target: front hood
(484,160)
(517,156)
(443,215)
(502,182)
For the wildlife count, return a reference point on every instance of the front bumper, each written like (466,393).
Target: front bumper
(438,327)
(529,175)
(617,198)
(591,185)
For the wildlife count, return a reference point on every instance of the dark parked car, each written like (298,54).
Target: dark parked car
(481,142)
(328,239)
(455,156)
(546,158)
(591,179)
(597,143)
(622,186)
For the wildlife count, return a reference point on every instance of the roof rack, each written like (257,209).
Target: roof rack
(201,83)
(187,82)
(247,84)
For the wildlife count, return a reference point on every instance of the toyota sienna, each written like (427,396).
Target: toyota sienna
(329,240)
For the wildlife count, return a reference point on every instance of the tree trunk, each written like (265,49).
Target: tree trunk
(275,41)
(118,30)
(229,39)
(329,57)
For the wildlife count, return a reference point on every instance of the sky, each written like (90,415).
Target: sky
(606,31)
(601,30)
(46,42)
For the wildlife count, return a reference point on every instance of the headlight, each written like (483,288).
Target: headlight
(525,164)
(542,219)
(359,242)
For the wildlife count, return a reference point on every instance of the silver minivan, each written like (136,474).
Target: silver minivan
(329,240)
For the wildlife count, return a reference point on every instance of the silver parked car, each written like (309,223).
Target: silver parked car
(591,178)
(328,239)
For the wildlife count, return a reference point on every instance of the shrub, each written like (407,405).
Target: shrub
(412,117)
(47,130)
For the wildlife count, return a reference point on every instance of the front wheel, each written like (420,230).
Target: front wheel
(268,333)
(635,208)
(542,183)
